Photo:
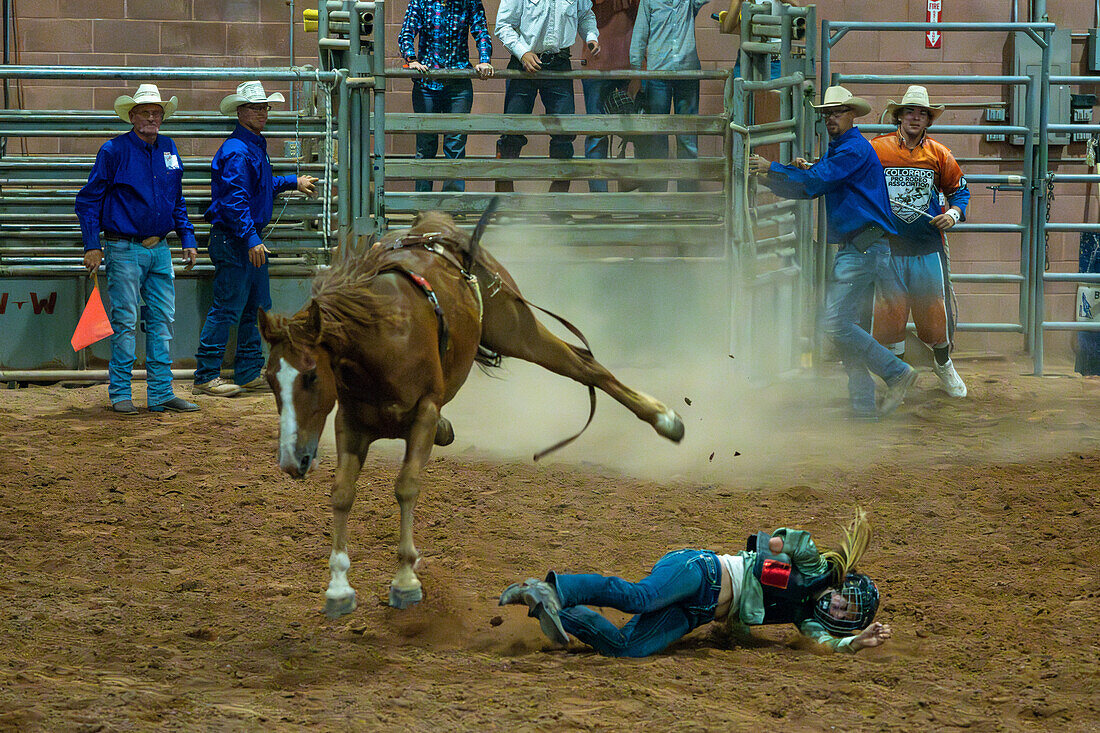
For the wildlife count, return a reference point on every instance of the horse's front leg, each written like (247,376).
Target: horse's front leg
(351,449)
(405,587)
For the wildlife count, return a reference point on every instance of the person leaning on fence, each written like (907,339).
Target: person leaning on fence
(850,178)
(779,578)
(242,193)
(442,26)
(134,195)
(615,21)
(664,40)
(918,169)
(539,34)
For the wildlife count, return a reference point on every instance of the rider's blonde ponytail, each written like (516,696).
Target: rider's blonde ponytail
(857,536)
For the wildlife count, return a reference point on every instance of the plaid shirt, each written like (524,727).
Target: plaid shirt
(443,26)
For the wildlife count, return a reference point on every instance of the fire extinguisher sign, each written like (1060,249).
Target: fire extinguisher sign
(933,38)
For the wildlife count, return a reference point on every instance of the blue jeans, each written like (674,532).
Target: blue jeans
(557,99)
(679,594)
(240,290)
(136,273)
(598,146)
(848,302)
(682,97)
(454,97)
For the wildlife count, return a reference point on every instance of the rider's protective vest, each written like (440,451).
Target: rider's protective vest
(788,592)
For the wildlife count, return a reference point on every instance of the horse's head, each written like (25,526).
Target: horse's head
(299,371)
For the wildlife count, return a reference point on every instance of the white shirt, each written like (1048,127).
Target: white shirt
(735,566)
(544,25)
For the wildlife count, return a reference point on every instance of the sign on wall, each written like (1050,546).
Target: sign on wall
(933,38)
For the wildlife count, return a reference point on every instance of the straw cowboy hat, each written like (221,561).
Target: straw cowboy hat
(838,96)
(248,92)
(145,94)
(915,96)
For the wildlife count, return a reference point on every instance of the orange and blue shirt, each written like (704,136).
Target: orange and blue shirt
(850,177)
(914,180)
(443,27)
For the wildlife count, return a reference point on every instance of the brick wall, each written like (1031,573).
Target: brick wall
(256,33)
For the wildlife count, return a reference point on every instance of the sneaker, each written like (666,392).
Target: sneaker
(950,380)
(895,391)
(217,387)
(176,404)
(259,384)
(125,407)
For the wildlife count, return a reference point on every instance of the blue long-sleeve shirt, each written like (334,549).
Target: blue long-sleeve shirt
(242,186)
(443,27)
(850,177)
(135,189)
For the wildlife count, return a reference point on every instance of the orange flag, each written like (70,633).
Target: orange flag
(94,324)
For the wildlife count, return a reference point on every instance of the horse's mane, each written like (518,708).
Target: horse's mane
(343,291)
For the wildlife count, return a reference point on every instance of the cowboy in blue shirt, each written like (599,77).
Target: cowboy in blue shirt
(443,26)
(850,177)
(134,195)
(243,190)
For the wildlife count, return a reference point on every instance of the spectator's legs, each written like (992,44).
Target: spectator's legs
(425,100)
(519,99)
(124,276)
(658,102)
(231,293)
(460,99)
(558,99)
(598,146)
(249,360)
(159,293)
(686,102)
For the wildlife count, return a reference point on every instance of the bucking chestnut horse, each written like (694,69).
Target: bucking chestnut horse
(390,334)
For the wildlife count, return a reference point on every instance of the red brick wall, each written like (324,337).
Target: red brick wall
(255,33)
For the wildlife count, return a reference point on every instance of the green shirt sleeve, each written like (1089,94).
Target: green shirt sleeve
(800,547)
(817,632)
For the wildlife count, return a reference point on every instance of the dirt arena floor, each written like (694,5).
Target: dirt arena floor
(159,572)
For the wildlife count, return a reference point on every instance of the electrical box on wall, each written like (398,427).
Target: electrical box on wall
(1092,60)
(1081,109)
(1028,61)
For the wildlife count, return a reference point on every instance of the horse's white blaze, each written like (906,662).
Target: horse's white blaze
(288,421)
(338,564)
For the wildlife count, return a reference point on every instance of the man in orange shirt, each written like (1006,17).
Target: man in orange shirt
(918,171)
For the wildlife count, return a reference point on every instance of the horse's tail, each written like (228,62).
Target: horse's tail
(479,230)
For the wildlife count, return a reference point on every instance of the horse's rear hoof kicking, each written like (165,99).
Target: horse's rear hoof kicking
(390,335)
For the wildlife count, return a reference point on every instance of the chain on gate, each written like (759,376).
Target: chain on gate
(1046,232)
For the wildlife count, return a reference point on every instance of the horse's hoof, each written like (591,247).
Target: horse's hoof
(337,607)
(404,598)
(444,433)
(670,426)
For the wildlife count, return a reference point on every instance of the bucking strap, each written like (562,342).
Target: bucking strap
(426,287)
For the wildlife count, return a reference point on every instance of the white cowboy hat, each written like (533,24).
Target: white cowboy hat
(838,96)
(915,96)
(248,92)
(145,94)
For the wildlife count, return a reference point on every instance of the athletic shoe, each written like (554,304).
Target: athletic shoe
(217,387)
(895,391)
(950,379)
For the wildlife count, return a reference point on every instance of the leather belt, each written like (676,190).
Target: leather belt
(148,242)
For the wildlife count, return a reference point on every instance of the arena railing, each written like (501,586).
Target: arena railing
(1034,175)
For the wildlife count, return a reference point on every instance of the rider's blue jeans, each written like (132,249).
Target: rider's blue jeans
(679,594)
(848,300)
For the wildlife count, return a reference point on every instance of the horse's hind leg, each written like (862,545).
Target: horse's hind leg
(351,447)
(405,587)
(512,330)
